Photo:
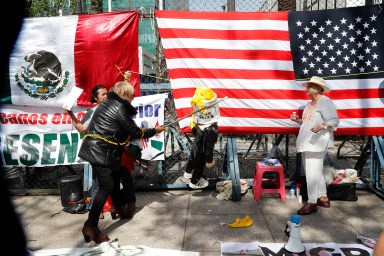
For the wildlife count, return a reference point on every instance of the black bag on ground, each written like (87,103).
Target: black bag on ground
(342,192)
(79,207)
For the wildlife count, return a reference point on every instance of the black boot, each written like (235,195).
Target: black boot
(131,207)
(123,213)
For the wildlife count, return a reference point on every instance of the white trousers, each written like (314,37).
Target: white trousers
(313,163)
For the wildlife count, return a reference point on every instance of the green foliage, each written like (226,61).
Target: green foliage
(38,8)
(96,6)
(73,8)
(47,8)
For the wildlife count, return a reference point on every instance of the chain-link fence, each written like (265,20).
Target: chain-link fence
(348,152)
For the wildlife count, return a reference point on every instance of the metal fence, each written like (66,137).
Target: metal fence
(349,151)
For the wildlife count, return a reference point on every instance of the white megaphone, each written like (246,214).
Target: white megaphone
(292,230)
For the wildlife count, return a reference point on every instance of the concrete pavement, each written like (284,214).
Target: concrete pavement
(196,221)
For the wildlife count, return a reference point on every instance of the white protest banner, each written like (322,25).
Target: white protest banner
(42,136)
(277,249)
(150,114)
(15,119)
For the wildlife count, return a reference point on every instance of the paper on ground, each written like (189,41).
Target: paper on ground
(113,249)
(370,242)
(233,248)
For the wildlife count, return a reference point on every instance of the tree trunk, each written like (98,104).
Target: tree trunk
(81,8)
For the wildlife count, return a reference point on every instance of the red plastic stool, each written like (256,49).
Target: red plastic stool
(279,183)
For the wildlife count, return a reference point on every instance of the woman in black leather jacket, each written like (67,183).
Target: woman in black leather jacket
(111,128)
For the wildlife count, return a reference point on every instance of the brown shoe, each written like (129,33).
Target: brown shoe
(102,236)
(323,202)
(307,208)
(94,234)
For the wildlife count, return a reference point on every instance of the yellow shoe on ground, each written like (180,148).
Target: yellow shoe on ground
(241,223)
(247,218)
(234,224)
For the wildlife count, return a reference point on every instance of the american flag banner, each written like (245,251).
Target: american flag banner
(260,59)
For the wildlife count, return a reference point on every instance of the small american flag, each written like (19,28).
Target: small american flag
(259,61)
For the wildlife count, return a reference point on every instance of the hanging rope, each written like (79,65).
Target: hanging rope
(130,71)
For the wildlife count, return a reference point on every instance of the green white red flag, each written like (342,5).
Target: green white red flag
(54,54)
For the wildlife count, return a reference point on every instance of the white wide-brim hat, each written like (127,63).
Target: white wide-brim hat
(319,81)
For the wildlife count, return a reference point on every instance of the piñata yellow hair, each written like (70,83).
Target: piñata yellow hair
(201,94)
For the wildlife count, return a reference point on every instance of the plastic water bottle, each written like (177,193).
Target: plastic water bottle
(298,193)
(298,186)
(292,191)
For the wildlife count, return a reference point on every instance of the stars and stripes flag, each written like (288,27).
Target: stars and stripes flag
(260,59)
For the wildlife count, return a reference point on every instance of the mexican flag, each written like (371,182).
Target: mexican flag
(55,54)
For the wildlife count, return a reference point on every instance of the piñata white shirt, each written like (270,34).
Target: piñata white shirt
(322,112)
(208,116)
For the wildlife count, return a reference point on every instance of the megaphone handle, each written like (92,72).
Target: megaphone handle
(286,231)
